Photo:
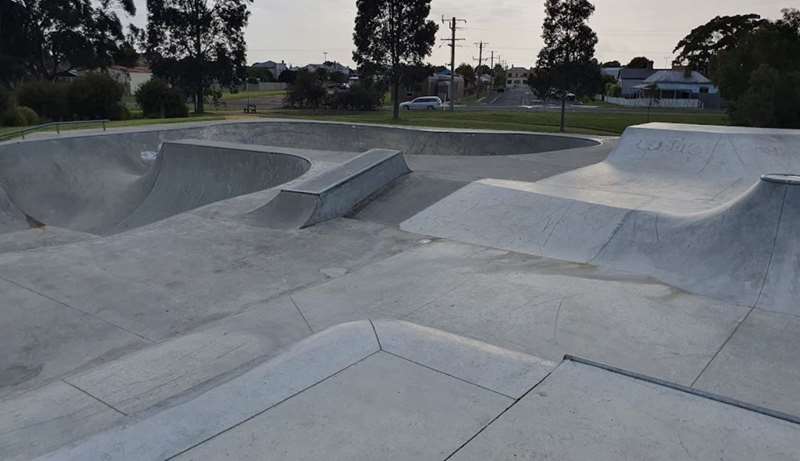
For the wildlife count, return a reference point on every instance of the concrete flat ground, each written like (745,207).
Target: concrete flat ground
(119,330)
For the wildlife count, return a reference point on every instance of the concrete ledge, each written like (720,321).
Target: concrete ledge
(334,193)
(501,370)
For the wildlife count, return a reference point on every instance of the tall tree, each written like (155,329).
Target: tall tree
(698,49)
(640,62)
(41,38)
(567,58)
(760,76)
(389,34)
(467,72)
(198,43)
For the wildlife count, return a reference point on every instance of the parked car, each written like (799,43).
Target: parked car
(424,103)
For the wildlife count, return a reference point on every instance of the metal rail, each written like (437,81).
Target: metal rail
(50,126)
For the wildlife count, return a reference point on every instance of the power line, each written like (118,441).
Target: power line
(453,24)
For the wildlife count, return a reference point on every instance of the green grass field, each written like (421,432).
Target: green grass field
(584,122)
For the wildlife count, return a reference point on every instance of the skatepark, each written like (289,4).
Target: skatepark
(280,289)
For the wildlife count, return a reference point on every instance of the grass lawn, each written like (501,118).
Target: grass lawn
(584,122)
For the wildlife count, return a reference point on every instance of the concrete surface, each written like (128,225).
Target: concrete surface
(355,391)
(581,413)
(193,321)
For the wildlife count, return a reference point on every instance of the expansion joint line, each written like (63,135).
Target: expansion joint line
(499,415)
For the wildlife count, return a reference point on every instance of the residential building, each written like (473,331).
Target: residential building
(275,68)
(517,77)
(331,67)
(439,85)
(677,84)
(630,79)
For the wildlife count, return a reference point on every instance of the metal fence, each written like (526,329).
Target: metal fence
(57,126)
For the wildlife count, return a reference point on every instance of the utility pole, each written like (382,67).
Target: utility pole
(453,24)
(480,64)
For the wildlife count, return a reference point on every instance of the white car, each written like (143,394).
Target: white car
(424,103)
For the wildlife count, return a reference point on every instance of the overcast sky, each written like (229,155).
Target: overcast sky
(300,31)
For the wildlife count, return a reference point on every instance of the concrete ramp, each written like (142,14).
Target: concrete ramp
(686,205)
(725,252)
(11,219)
(332,194)
(686,168)
(195,173)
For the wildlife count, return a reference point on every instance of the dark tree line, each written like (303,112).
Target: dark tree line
(391,34)
(756,64)
(39,39)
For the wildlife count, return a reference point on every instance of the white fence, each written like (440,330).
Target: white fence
(662,103)
(266,86)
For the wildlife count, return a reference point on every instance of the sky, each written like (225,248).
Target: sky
(302,31)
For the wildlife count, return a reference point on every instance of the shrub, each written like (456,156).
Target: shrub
(96,95)
(20,116)
(6,101)
(158,100)
(306,91)
(358,97)
(48,99)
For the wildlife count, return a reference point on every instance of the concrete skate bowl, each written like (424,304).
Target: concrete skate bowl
(684,204)
(410,141)
(105,184)
(101,184)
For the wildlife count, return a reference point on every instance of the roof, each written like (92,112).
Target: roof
(628,73)
(677,76)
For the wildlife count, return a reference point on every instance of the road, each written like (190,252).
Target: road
(512,97)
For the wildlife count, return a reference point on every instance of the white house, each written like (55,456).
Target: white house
(677,84)
(517,77)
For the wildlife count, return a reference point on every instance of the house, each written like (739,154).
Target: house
(612,72)
(630,79)
(439,85)
(517,77)
(677,84)
(331,67)
(275,68)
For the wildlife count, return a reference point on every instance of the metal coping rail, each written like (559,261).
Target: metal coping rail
(45,126)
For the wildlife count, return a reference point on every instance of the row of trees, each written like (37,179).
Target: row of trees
(755,62)
(190,44)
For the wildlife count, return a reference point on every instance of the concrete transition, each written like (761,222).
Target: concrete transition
(334,193)
(105,184)
(410,392)
(681,203)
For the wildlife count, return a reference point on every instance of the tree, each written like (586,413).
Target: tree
(640,62)
(468,73)
(567,58)
(698,50)
(260,74)
(390,33)
(611,64)
(287,76)
(306,91)
(500,76)
(760,76)
(196,44)
(42,38)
